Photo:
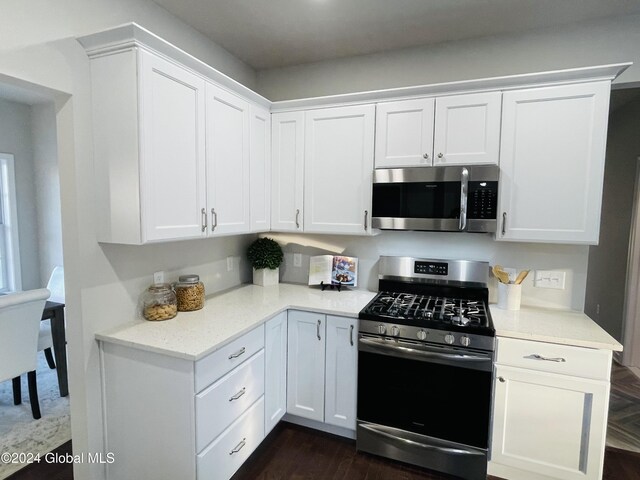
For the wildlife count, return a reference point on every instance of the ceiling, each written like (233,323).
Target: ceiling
(275,33)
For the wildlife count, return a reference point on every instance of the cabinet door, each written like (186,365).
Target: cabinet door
(305,365)
(172,150)
(404,133)
(341,372)
(552,163)
(338,169)
(260,168)
(275,382)
(227,162)
(467,129)
(287,176)
(549,424)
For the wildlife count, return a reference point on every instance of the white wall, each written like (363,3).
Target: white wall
(103,281)
(47,189)
(439,245)
(15,138)
(608,261)
(592,43)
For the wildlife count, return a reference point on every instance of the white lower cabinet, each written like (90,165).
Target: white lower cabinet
(221,459)
(546,424)
(322,368)
(275,382)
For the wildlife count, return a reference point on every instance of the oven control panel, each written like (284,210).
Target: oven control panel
(431,268)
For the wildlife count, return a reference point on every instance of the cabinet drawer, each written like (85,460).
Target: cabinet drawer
(221,459)
(553,358)
(224,401)
(211,368)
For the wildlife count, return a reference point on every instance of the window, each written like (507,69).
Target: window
(10,277)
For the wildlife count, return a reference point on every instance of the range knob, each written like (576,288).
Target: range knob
(395,331)
(449,338)
(422,335)
(382,329)
(465,341)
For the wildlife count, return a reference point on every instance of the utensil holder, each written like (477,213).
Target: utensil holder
(509,296)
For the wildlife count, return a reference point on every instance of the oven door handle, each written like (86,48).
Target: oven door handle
(380,430)
(417,352)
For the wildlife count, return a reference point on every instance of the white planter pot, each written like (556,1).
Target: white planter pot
(266,277)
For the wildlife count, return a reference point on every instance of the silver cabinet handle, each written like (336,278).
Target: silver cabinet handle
(504,222)
(366,217)
(239,394)
(425,156)
(464,188)
(318,329)
(238,353)
(298,218)
(351,335)
(238,447)
(440,155)
(547,359)
(501,379)
(214,219)
(204,219)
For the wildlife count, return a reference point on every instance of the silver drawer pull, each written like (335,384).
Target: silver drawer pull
(239,446)
(547,359)
(237,354)
(239,394)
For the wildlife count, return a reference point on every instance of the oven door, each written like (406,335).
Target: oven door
(435,391)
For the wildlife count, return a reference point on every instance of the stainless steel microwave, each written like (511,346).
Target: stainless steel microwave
(446,199)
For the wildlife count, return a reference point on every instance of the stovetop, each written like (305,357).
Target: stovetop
(429,295)
(398,306)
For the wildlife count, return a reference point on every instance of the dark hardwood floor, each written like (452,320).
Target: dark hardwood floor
(48,471)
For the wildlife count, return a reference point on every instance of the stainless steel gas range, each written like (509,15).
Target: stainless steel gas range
(425,356)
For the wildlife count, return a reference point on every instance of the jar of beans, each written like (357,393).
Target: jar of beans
(190,293)
(159,302)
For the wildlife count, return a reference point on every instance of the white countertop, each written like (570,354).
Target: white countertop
(227,316)
(567,327)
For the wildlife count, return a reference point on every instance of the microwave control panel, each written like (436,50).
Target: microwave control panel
(482,201)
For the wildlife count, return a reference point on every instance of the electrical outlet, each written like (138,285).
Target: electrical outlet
(513,273)
(550,279)
(229,264)
(297,259)
(158,277)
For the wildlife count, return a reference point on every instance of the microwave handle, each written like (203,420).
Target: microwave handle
(464,193)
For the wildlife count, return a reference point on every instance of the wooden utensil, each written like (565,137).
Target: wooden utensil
(521,276)
(500,274)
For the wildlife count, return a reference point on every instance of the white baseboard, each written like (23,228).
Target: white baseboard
(324,427)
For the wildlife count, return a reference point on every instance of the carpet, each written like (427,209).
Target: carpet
(19,432)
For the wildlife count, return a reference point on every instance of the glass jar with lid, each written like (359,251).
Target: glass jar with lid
(190,293)
(159,302)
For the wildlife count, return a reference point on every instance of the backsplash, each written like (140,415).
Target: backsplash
(572,259)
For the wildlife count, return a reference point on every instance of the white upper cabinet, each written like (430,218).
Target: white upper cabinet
(148,124)
(338,168)
(467,129)
(260,168)
(227,162)
(404,133)
(552,163)
(287,171)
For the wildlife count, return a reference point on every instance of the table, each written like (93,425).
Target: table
(54,311)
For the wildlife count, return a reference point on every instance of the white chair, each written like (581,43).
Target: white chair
(56,287)
(20,315)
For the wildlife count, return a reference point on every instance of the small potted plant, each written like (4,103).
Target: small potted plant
(265,256)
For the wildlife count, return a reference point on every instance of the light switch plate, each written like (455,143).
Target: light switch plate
(550,279)
(158,277)
(297,259)
(229,264)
